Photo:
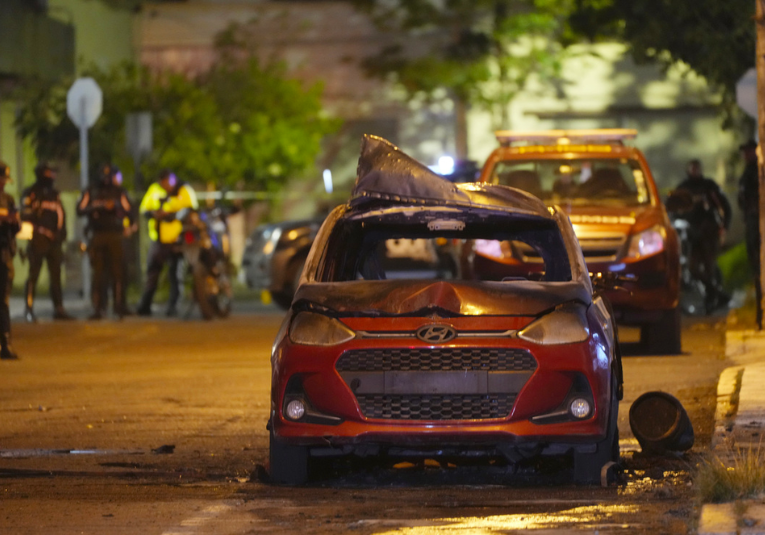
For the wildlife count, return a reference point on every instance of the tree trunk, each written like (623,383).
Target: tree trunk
(760,64)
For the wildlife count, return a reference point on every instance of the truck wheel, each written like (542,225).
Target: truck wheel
(289,464)
(663,337)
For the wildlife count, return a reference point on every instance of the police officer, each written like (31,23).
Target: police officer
(749,202)
(163,200)
(41,206)
(9,226)
(709,218)
(106,206)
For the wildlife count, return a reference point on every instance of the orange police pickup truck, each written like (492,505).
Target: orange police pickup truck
(608,191)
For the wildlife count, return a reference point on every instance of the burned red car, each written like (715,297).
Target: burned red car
(386,358)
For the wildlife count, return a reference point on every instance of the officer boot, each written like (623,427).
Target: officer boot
(60,314)
(29,314)
(6,351)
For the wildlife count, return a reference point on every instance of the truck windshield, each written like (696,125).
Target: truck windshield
(576,181)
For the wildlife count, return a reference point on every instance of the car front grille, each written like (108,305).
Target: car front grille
(437,359)
(436,383)
(435,407)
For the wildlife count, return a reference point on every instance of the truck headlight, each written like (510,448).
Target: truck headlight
(647,243)
(567,324)
(313,329)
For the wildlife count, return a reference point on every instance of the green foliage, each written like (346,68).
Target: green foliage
(716,38)
(481,51)
(240,122)
(734,266)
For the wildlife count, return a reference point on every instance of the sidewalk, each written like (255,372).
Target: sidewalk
(76,306)
(739,425)
(81,309)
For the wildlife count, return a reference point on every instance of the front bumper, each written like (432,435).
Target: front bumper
(351,431)
(655,290)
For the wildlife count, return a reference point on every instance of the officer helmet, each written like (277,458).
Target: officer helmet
(109,174)
(44,170)
(5,171)
(168,176)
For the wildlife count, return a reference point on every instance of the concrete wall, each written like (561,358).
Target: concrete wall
(675,113)
(103,34)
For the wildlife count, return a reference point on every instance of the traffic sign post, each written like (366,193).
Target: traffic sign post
(84,103)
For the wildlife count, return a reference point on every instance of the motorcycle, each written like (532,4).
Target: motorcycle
(693,293)
(204,245)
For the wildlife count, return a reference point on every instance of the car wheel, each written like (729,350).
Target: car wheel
(588,466)
(289,464)
(663,337)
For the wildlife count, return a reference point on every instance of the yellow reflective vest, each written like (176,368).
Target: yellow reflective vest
(157,198)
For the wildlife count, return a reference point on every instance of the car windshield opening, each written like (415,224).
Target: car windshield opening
(491,249)
(576,181)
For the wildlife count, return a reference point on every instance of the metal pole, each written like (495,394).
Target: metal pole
(83,186)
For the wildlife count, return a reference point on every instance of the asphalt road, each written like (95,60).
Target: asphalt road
(158,427)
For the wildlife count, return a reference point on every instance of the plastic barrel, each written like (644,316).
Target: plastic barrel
(660,423)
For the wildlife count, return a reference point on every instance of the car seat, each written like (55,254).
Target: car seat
(604,179)
(522,179)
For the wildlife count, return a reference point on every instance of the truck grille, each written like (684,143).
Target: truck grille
(595,248)
(436,407)
(437,359)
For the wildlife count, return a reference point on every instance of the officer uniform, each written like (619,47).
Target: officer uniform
(41,206)
(161,203)
(709,217)
(106,206)
(9,226)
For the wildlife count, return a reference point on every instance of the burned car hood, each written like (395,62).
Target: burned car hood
(385,175)
(412,297)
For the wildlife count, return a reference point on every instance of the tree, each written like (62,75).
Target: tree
(239,122)
(482,52)
(716,38)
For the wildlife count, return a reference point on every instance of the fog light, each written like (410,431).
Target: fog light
(295,409)
(580,408)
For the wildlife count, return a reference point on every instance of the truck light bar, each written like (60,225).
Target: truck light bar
(614,136)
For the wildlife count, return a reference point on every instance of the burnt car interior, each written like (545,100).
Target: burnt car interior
(389,248)
(581,181)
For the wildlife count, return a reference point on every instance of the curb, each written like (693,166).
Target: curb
(739,418)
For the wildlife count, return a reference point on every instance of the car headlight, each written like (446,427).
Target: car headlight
(648,242)
(272,238)
(567,324)
(313,329)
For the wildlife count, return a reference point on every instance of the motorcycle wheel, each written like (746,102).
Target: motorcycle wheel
(212,292)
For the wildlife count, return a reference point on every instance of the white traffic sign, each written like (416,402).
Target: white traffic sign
(746,92)
(84,102)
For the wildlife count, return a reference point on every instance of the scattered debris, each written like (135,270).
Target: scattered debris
(164,449)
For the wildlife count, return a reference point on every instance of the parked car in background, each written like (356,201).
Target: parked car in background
(373,360)
(609,193)
(274,256)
